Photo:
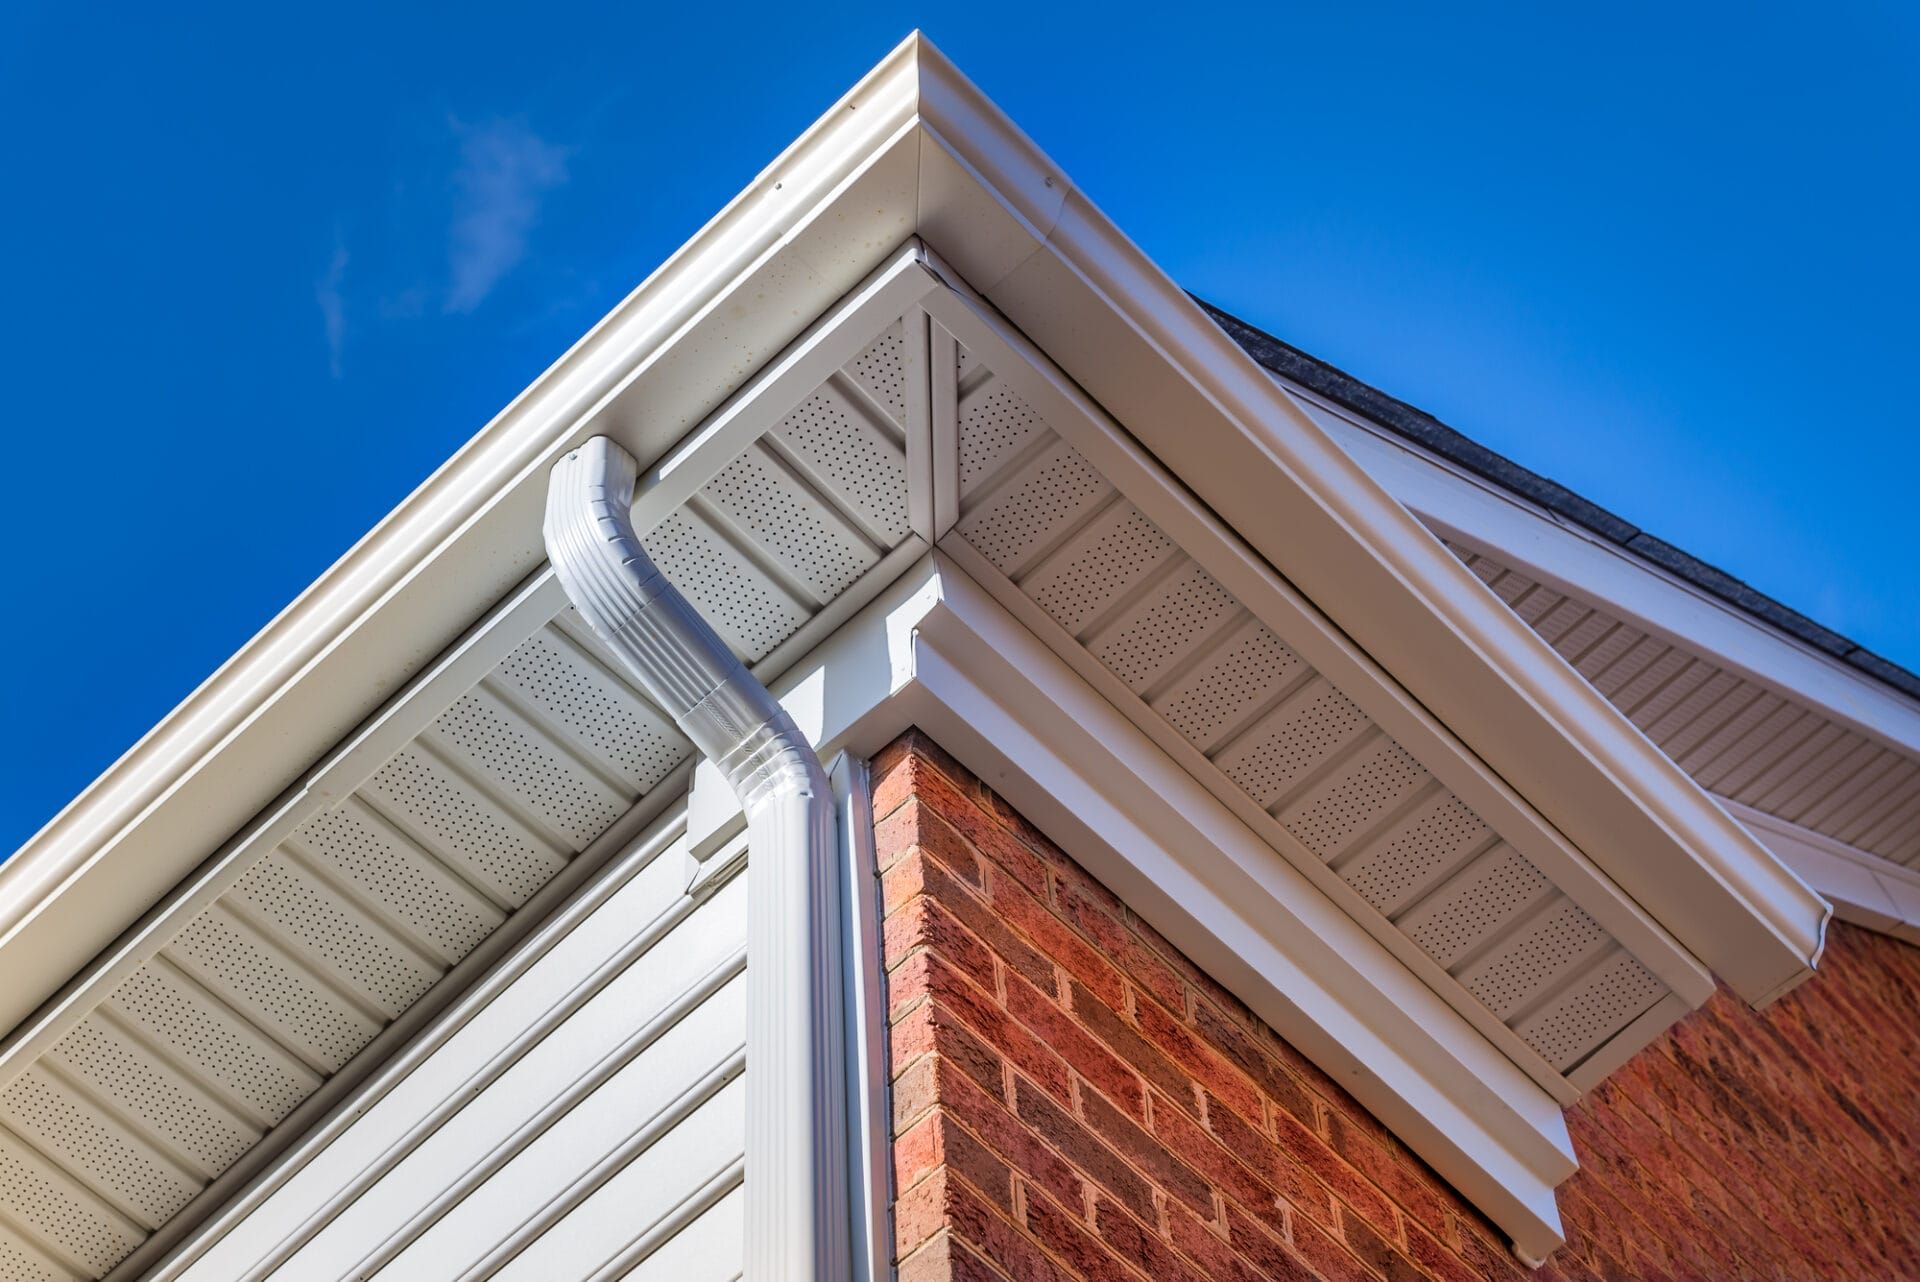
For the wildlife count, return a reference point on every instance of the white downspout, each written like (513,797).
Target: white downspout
(796,1176)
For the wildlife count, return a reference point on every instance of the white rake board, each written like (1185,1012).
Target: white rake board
(1735,738)
(1287,738)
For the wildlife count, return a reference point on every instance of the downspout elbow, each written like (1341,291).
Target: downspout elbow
(797,1194)
(676,657)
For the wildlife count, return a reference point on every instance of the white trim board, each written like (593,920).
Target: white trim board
(1552,551)
(913,149)
(828,343)
(1170,377)
(1328,651)
(1865,889)
(936,651)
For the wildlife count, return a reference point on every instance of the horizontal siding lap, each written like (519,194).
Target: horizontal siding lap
(588,1114)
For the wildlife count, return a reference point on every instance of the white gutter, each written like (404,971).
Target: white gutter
(796,1191)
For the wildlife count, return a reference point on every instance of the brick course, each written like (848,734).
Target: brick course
(1074,1099)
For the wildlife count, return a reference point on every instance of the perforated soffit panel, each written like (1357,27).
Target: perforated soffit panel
(1412,859)
(251,1005)
(1735,737)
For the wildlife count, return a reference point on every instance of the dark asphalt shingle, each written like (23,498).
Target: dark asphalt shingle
(1425,430)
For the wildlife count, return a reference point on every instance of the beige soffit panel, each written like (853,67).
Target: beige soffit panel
(183,1056)
(1525,537)
(1737,737)
(270,972)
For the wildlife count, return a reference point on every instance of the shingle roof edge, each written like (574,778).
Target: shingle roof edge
(1430,433)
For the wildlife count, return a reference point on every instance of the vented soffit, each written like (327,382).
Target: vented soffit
(914,149)
(910,333)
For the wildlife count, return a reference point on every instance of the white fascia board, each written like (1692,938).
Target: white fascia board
(806,231)
(1308,633)
(828,344)
(1552,551)
(1865,889)
(913,148)
(1072,282)
(937,651)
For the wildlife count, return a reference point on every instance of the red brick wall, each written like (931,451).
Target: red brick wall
(1073,1099)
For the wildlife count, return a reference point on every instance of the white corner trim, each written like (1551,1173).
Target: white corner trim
(869,1092)
(1865,889)
(937,651)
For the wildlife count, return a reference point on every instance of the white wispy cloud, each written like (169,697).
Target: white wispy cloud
(505,172)
(333,306)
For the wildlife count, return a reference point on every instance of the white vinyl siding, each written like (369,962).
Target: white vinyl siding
(585,1123)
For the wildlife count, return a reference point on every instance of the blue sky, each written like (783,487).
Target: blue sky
(270,266)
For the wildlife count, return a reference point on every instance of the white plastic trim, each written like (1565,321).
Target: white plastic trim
(925,152)
(869,1111)
(1866,890)
(937,651)
(1571,560)
(797,1195)
(1309,634)
(914,148)
(1002,213)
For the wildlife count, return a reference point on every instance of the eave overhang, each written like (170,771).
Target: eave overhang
(913,149)
(1759,717)
(939,652)
(916,151)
